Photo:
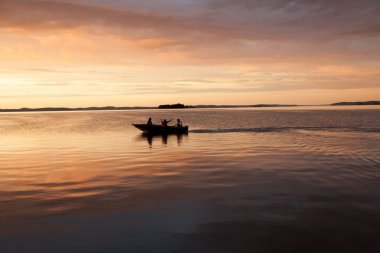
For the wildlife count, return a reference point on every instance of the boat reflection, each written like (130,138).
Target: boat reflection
(165,138)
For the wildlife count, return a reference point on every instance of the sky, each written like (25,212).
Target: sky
(78,53)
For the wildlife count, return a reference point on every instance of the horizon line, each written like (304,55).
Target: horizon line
(200,106)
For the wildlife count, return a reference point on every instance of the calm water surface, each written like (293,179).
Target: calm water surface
(242,180)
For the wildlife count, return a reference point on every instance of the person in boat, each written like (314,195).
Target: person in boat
(149,122)
(179,123)
(165,122)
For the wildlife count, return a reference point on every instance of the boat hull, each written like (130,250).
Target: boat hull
(158,129)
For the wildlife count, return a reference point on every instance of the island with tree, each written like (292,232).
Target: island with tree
(173,106)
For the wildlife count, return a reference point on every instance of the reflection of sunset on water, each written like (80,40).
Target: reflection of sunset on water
(64,172)
(63,168)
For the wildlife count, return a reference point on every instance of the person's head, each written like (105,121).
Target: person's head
(178,120)
(150,118)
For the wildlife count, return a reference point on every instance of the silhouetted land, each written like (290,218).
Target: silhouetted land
(53,109)
(168,106)
(173,106)
(241,106)
(358,103)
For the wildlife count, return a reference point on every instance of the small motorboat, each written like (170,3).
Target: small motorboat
(158,129)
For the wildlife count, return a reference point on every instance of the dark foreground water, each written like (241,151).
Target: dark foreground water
(284,180)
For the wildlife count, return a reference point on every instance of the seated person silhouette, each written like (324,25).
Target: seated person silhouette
(179,123)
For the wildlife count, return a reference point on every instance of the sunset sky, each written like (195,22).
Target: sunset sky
(144,53)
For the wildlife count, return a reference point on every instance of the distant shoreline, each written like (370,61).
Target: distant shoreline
(63,109)
(114,108)
(357,103)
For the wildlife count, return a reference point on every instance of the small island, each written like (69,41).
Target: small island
(357,103)
(173,106)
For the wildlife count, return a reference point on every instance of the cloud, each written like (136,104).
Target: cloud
(247,20)
(192,46)
(54,15)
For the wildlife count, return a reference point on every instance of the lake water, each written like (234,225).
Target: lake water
(303,179)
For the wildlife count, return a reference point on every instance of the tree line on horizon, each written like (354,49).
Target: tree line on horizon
(174,106)
(170,106)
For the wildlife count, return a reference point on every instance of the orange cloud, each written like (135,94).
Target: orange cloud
(108,48)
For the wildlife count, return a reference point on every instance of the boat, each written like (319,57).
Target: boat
(158,129)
